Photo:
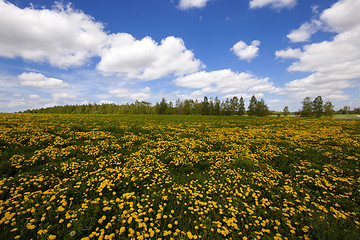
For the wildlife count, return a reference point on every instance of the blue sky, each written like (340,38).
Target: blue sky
(112,51)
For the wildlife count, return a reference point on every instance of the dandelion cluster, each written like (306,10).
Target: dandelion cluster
(178,177)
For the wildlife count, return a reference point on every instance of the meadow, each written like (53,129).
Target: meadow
(178,177)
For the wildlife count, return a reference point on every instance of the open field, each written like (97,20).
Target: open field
(346,116)
(179,177)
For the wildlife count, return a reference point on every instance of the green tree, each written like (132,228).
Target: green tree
(187,107)
(234,105)
(226,107)
(205,106)
(345,110)
(306,110)
(252,106)
(197,107)
(329,109)
(179,106)
(286,111)
(318,106)
(217,106)
(261,108)
(241,106)
(170,109)
(162,106)
(211,106)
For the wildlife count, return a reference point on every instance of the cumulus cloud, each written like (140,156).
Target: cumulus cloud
(20,102)
(64,37)
(34,96)
(120,92)
(304,32)
(143,94)
(334,64)
(275,4)
(61,36)
(186,4)
(342,16)
(225,82)
(145,59)
(288,53)
(63,95)
(246,52)
(38,80)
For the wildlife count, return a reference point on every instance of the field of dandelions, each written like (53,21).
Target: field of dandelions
(178,177)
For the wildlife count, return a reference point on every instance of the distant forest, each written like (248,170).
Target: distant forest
(212,106)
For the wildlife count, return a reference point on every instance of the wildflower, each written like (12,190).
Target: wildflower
(72,233)
(30,226)
(52,237)
(61,208)
(283,210)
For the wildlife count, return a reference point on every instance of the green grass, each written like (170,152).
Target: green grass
(355,116)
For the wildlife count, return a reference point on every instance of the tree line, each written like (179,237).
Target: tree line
(317,108)
(208,106)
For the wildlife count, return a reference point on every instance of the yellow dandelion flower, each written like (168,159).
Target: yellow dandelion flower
(30,226)
(61,209)
(52,237)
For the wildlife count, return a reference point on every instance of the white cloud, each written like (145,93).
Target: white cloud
(64,37)
(146,89)
(145,59)
(339,56)
(120,92)
(225,82)
(288,53)
(343,15)
(186,4)
(34,96)
(105,101)
(40,81)
(21,102)
(315,9)
(61,36)
(304,32)
(334,64)
(143,94)
(63,95)
(275,4)
(246,52)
